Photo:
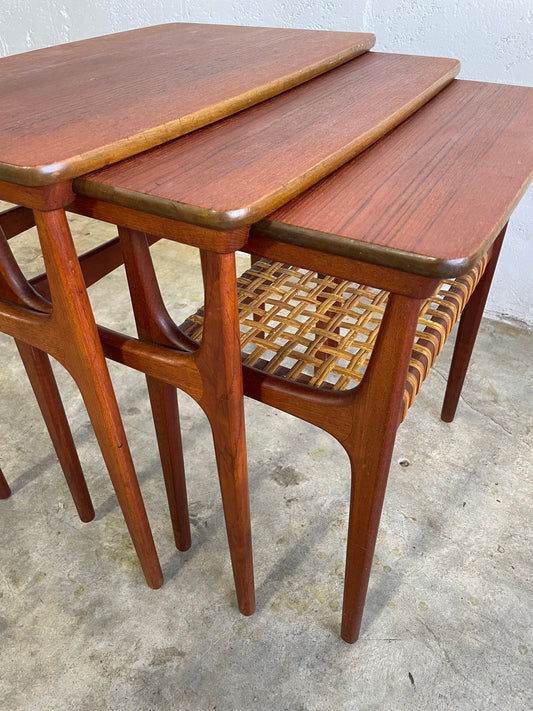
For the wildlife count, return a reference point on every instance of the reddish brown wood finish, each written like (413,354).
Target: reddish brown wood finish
(236,171)
(221,242)
(164,402)
(431,196)
(37,364)
(51,197)
(40,374)
(369,446)
(365,420)
(15,220)
(95,264)
(162,397)
(479,124)
(381,277)
(223,404)
(220,397)
(217,388)
(70,109)
(467,332)
(56,122)
(67,331)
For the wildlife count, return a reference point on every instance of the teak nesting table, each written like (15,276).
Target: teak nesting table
(73,108)
(425,202)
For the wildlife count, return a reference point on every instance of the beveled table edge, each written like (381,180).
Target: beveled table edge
(68,169)
(241,216)
(410,262)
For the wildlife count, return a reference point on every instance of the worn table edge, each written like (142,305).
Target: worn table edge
(381,255)
(244,215)
(75,166)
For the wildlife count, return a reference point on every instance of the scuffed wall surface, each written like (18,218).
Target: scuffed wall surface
(31,24)
(308,14)
(492,38)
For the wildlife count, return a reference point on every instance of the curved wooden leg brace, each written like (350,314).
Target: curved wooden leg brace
(15,288)
(154,325)
(365,422)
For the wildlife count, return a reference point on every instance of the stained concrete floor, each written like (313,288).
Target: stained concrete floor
(447,621)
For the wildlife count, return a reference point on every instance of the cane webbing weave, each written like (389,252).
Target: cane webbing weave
(320,330)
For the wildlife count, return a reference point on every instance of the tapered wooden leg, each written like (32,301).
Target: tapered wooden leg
(230,451)
(224,405)
(370,450)
(44,386)
(5,491)
(77,346)
(105,418)
(467,333)
(218,369)
(155,326)
(164,402)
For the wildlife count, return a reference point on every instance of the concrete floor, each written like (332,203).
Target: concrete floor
(447,621)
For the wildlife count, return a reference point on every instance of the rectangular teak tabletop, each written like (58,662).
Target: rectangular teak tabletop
(235,172)
(70,109)
(430,197)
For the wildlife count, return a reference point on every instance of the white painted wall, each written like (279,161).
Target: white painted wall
(492,38)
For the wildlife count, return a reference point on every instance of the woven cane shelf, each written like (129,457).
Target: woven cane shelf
(320,330)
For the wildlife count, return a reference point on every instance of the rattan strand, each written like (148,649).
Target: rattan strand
(320,330)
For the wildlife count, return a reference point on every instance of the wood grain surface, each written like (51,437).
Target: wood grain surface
(431,196)
(236,171)
(70,109)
